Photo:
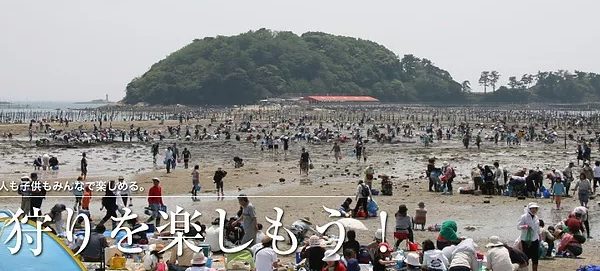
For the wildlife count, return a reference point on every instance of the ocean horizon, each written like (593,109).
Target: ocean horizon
(47,105)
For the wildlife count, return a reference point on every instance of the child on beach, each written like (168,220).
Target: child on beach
(559,190)
(195,182)
(404,224)
(78,193)
(420,216)
(84,165)
(85,204)
(87,197)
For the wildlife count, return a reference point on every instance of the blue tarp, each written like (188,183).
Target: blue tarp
(589,268)
(54,256)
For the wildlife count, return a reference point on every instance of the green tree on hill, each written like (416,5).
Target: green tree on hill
(259,64)
(484,80)
(494,76)
(245,68)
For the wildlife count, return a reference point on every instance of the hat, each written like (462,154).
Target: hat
(532,205)
(121,178)
(156,179)
(314,241)
(402,208)
(156,247)
(331,256)
(266,240)
(25,178)
(412,259)
(445,163)
(421,204)
(198,258)
(306,220)
(494,242)
(385,248)
(379,234)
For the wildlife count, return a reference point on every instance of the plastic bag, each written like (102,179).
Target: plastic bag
(546,194)
(372,208)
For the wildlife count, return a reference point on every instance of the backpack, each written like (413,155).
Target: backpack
(452,173)
(364,191)
(161,266)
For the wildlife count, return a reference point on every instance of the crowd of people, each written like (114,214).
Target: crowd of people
(447,252)
(458,253)
(533,183)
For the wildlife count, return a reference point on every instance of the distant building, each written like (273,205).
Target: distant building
(340,99)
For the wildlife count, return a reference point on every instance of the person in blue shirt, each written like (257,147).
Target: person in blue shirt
(558,189)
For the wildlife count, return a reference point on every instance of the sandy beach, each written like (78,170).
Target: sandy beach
(328,184)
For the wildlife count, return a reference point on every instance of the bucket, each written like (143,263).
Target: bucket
(117,262)
(205,249)
(399,264)
(413,246)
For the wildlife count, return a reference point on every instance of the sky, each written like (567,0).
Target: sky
(73,50)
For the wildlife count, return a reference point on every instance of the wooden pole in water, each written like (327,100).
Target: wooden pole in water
(565,134)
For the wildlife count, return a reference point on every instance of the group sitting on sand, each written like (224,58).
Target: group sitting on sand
(532,183)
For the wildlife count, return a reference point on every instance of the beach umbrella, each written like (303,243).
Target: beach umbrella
(353,224)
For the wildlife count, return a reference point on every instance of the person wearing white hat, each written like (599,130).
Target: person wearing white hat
(529,225)
(498,257)
(374,246)
(333,261)
(314,253)
(583,211)
(412,261)
(198,262)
